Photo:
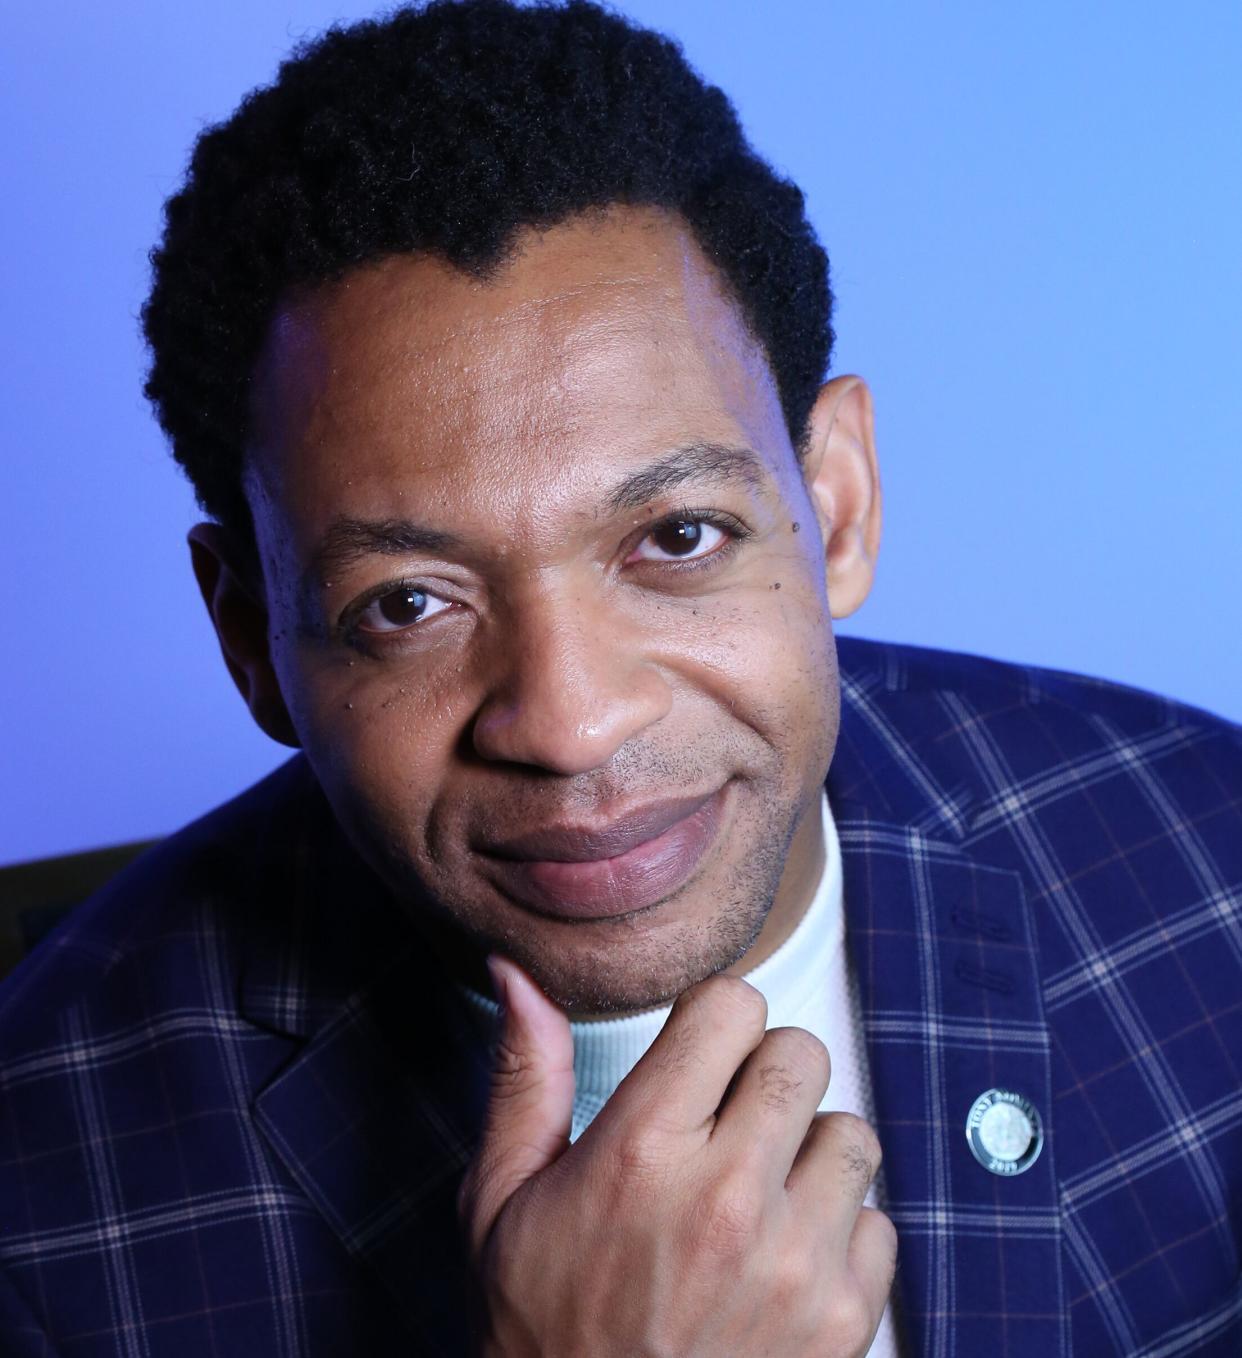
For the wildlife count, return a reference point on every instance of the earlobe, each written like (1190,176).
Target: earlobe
(842,475)
(241,624)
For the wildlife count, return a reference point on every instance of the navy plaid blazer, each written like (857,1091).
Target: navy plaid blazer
(236,1101)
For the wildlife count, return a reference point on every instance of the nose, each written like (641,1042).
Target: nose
(572,687)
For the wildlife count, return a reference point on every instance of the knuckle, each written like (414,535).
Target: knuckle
(795,1282)
(727,999)
(511,1069)
(639,1159)
(881,1232)
(857,1142)
(778,1086)
(801,1052)
(730,1217)
(848,1321)
(884,1227)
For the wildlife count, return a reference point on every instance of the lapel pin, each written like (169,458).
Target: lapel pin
(1004,1131)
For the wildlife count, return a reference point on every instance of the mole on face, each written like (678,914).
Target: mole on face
(567,391)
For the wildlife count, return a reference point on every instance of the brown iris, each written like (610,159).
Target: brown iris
(679,537)
(402,607)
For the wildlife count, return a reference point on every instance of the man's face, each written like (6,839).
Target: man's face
(547,604)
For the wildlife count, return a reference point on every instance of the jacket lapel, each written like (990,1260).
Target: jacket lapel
(378,1113)
(949,983)
(376,1120)
(375,1106)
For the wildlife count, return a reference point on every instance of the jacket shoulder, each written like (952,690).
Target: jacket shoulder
(913,669)
(157,907)
(966,729)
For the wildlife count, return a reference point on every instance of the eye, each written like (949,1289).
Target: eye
(398,609)
(679,539)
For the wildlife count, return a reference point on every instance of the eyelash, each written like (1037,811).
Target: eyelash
(735,530)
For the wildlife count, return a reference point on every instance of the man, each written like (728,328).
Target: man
(496,358)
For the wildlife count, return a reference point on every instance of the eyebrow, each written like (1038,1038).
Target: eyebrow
(348,540)
(718,462)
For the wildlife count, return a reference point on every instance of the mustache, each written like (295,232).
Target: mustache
(636,777)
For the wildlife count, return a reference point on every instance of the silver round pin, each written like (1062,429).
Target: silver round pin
(1004,1131)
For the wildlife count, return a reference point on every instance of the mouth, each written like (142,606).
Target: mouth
(584,873)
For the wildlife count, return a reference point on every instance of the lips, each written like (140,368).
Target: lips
(566,845)
(600,872)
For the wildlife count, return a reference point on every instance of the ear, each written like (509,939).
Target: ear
(240,618)
(840,469)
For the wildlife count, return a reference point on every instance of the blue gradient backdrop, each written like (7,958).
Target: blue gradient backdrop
(1035,220)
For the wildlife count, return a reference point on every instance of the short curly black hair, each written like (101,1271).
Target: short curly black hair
(447,127)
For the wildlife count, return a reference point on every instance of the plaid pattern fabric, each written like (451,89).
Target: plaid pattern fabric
(236,1100)
(1044,889)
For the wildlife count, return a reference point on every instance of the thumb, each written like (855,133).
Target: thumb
(530,1106)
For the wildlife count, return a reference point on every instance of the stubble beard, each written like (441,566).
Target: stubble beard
(636,966)
(629,963)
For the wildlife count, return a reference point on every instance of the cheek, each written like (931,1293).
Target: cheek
(379,737)
(763,651)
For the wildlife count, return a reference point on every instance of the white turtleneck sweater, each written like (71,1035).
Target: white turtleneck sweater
(808,983)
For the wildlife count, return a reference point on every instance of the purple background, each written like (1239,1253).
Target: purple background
(1033,215)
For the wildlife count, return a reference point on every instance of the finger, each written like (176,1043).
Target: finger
(872,1257)
(833,1170)
(768,1111)
(682,1077)
(530,1105)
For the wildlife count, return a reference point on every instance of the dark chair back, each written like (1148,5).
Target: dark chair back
(36,896)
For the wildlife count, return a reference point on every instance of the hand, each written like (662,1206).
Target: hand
(707,1211)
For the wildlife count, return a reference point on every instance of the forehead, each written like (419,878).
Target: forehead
(600,342)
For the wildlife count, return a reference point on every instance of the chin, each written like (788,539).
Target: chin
(596,967)
(645,960)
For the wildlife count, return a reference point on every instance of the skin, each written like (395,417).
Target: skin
(568,669)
